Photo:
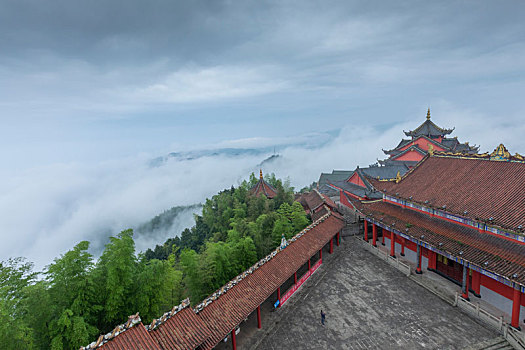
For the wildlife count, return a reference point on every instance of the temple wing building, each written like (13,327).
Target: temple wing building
(460,215)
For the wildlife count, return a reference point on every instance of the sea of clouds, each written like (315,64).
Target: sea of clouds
(45,211)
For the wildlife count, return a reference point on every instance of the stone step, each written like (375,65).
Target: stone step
(498,343)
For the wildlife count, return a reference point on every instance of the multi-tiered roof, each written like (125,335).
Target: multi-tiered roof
(427,137)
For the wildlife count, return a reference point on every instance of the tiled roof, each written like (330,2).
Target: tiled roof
(328,201)
(385,172)
(136,337)
(358,190)
(313,200)
(389,162)
(184,330)
(475,188)
(504,257)
(336,175)
(232,307)
(428,128)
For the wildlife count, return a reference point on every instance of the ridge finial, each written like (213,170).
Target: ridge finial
(428,113)
(260,174)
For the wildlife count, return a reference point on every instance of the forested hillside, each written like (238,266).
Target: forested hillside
(76,298)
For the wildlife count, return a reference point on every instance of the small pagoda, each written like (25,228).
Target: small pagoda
(263,188)
(426,138)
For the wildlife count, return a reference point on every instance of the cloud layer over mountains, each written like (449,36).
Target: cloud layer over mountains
(46,210)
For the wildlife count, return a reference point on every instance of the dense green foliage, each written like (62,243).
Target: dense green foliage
(78,298)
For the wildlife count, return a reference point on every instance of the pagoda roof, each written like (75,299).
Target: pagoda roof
(481,187)
(499,256)
(428,128)
(395,150)
(405,142)
(263,187)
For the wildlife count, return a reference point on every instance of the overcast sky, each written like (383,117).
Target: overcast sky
(84,83)
(98,79)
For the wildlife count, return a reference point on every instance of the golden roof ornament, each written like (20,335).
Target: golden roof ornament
(430,149)
(428,113)
(260,174)
(500,154)
(398,177)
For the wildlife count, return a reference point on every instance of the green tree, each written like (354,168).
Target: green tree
(15,276)
(114,277)
(70,289)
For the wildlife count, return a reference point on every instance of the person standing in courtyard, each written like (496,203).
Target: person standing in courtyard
(323,316)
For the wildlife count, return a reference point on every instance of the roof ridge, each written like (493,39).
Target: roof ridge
(133,320)
(167,315)
(500,154)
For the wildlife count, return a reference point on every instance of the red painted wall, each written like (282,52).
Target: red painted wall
(355,179)
(410,155)
(423,144)
(343,200)
(499,288)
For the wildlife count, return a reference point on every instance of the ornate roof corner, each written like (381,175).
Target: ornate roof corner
(500,154)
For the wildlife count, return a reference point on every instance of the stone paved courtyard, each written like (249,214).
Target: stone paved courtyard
(369,305)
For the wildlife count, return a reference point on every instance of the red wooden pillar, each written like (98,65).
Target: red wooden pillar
(259,325)
(392,244)
(234,341)
(366,231)
(476,283)
(418,268)
(383,236)
(402,246)
(516,303)
(331,245)
(279,295)
(295,277)
(321,254)
(374,235)
(337,238)
(465,283)
(309,264)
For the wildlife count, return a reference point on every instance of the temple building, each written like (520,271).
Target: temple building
(426,137)
(263,188)
(467,226)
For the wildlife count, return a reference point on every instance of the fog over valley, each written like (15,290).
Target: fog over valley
(45,211)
